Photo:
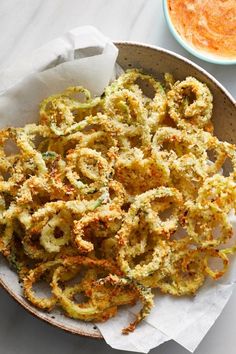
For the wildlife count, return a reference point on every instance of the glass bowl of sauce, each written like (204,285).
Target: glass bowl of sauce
(206,28)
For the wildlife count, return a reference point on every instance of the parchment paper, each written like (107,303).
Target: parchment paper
(85,57)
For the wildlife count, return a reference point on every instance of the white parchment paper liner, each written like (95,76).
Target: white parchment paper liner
(83,56)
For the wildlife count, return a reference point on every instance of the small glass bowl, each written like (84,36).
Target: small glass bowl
(194,51)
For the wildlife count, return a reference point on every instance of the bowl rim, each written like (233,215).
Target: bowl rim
(40,314)
(192,50)
(181,57)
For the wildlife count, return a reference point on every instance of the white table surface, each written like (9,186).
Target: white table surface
(27,24)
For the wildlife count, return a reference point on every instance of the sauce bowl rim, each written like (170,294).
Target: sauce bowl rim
(192,50)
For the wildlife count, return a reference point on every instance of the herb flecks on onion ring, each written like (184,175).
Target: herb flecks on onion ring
(110,197)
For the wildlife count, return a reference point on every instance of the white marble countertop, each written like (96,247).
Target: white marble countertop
(27,24)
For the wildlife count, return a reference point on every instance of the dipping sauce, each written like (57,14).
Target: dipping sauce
(207,25)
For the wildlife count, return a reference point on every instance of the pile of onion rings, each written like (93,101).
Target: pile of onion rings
(108,198)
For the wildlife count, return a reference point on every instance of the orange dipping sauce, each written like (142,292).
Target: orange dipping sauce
(207,25)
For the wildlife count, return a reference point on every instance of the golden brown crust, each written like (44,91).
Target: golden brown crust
(98,191)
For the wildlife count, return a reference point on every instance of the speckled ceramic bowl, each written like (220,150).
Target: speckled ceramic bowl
(155,61)
(193,50)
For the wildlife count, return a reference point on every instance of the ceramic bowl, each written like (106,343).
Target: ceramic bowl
(194,51)
(155,61)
